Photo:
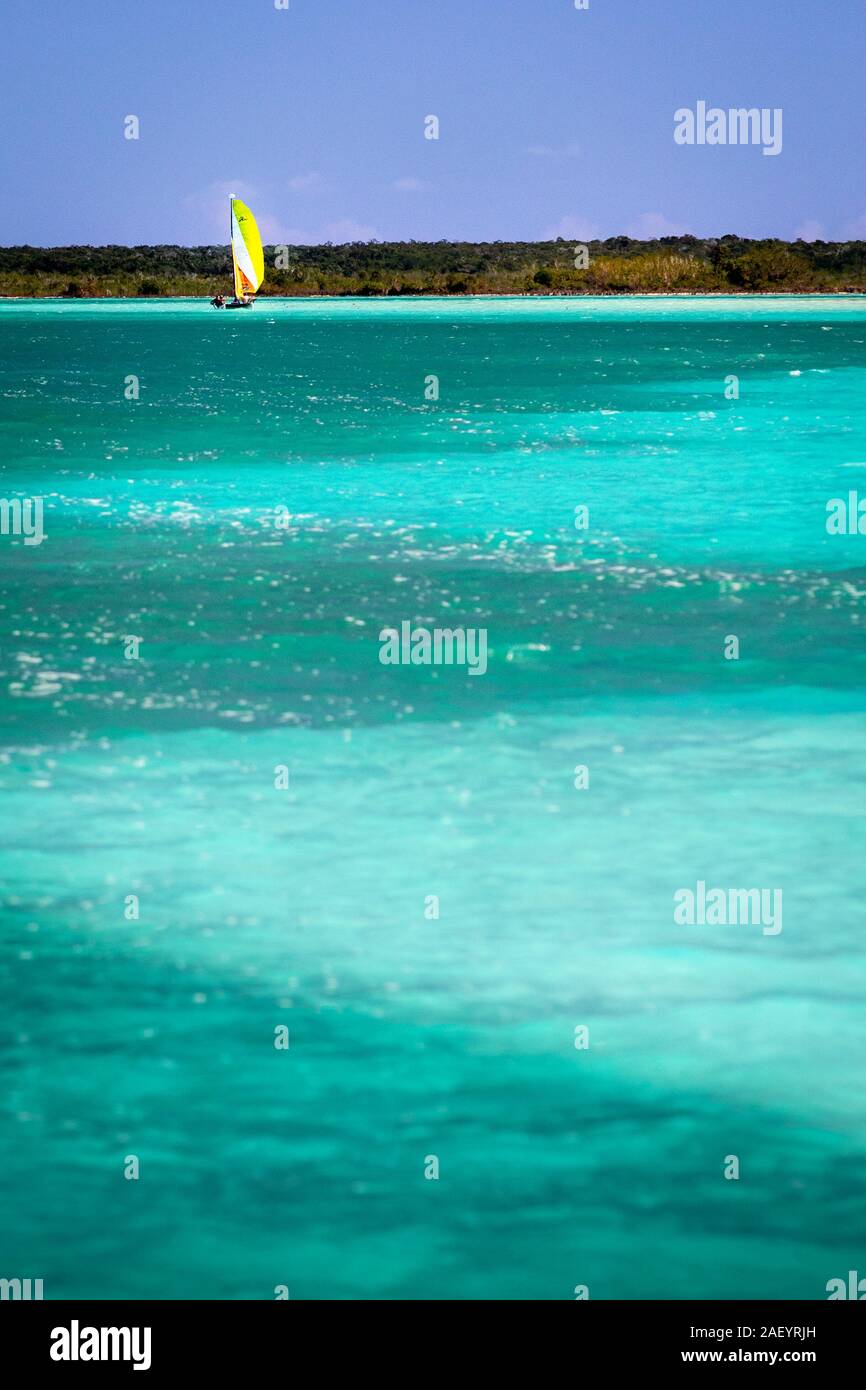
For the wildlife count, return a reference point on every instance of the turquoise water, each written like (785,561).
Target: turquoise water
(412,1036)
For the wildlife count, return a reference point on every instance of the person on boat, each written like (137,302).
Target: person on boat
(218,302)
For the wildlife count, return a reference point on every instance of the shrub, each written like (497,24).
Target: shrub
(768,267)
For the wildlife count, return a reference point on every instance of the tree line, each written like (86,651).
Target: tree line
(617,265)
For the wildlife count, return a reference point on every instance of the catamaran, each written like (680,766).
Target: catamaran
(248,260)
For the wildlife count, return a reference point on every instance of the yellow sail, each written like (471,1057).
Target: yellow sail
(248,258)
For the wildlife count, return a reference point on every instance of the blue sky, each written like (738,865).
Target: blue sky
(553,121)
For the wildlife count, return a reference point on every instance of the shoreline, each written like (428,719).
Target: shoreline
(479,294)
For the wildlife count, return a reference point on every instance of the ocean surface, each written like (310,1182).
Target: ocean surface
(255,496)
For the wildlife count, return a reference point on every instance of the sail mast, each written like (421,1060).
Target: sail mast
(232,246)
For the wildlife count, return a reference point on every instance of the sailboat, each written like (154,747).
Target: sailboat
(248,260)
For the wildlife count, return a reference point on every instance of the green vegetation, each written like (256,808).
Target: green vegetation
(685,264)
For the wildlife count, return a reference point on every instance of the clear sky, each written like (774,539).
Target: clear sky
(553,121)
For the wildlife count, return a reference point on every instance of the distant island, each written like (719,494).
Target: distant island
(619,265)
